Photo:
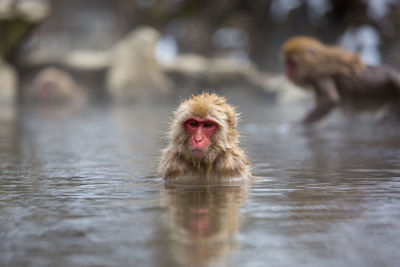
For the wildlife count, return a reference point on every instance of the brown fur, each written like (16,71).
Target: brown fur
(338,77)
(224,157)
(320,60)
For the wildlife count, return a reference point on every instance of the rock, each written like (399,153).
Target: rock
(226,74)
(227,68)
(17,19)
(8,91)
(286,91)
(28,10)
(79,60)
(87,60)
(192,65)
(8,85)
(221,73)
(134,72)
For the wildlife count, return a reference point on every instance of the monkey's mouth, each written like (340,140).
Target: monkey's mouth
(197,152)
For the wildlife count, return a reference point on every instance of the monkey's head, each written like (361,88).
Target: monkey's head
(306,57)
(203,127)
(54,86)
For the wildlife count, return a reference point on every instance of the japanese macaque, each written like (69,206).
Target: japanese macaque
(53,86)
(204,142)
(339,78)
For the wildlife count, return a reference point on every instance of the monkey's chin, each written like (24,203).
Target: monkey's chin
(198,153)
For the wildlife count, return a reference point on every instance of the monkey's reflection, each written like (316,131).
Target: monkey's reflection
(203,222)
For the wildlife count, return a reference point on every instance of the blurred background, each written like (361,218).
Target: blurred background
(129,49)
(86,91)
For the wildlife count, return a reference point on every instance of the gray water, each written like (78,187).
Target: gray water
(80,189)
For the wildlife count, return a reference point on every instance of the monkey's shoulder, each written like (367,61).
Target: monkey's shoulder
(232,164)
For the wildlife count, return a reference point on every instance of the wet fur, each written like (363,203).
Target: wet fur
(225,159)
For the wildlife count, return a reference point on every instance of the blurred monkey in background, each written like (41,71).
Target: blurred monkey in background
(53,86)
(339,78)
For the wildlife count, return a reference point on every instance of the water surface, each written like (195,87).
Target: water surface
(80,188)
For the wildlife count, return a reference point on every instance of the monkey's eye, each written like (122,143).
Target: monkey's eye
(208,124)
(193,123)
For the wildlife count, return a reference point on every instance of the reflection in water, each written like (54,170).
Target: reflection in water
(203,222)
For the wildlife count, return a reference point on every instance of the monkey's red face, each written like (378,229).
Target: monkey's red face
(200,131)
(290,66)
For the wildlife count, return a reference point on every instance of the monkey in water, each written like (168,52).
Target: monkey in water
(204,142)
(53,86)
(339,78)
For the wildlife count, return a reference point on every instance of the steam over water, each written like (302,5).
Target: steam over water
(80,189)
